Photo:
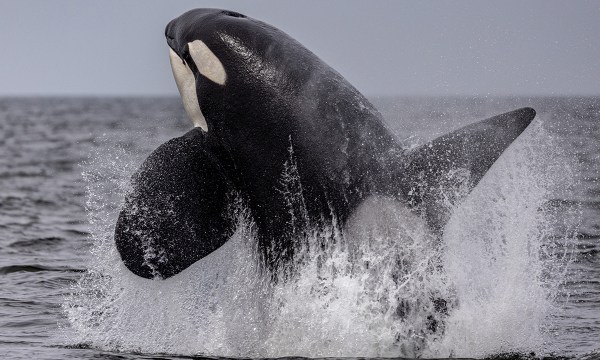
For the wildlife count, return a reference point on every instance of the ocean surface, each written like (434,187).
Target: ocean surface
(520,256)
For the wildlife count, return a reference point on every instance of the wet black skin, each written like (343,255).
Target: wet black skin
(282,108)
(180,208)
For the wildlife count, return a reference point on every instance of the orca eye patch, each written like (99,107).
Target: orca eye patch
(207,62)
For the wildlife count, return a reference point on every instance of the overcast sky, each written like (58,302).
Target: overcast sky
(117,47)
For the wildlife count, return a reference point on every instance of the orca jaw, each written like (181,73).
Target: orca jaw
(192,62)
(186,84)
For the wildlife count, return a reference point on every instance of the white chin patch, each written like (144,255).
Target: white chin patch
(186,83)
(207,62)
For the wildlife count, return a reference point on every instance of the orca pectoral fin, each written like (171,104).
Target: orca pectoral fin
(454,163)
(179,209)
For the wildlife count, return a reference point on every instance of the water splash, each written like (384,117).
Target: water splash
(498,253)
(385,286)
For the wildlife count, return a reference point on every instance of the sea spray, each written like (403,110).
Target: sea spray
(500,258)
(368,293)
(112,309)
(373,289)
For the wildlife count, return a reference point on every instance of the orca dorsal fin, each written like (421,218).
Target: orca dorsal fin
(458,161)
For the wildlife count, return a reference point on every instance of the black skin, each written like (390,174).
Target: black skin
(282,95)
(282,108)
(179,210)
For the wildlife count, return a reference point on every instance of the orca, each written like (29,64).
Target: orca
(281,132)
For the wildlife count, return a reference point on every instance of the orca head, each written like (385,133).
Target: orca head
(266,98)
(230,66)
(192,61)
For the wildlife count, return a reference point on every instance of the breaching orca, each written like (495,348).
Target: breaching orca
(281,131)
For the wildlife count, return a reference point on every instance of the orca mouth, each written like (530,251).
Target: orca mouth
(170,37)
(171,42)
(184,79)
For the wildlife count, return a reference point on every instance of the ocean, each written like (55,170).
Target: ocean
(520,256)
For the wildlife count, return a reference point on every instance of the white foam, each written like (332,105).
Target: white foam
(368,293)
(494,246)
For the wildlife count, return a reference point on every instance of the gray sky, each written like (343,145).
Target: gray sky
(117,47)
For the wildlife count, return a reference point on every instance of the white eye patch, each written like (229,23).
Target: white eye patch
(207,62)
(186,84)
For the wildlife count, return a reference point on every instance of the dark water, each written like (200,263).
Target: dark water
(62,160)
